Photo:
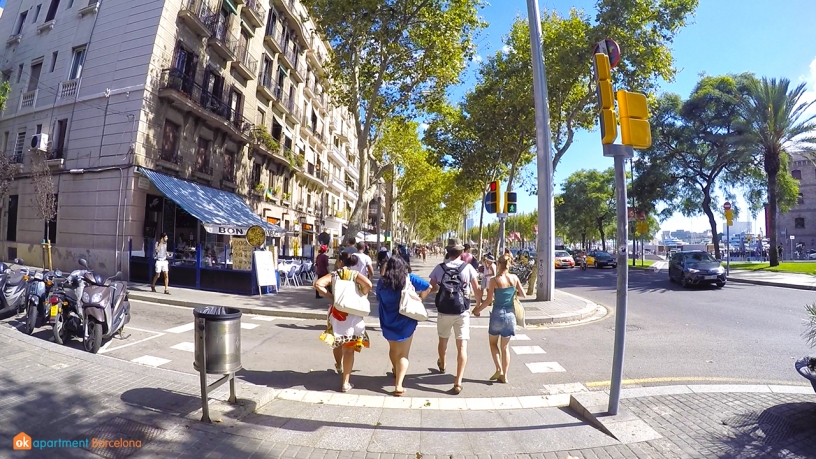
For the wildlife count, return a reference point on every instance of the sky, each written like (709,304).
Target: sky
(770,38)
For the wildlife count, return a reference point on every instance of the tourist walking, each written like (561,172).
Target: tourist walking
(500,293)
(346,333)
(397,328)
(364,264)
(162,265)
(321,265)
(454,280)
(489,270)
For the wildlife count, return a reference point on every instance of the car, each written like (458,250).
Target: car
(696,267)
(599,259)
(563,259)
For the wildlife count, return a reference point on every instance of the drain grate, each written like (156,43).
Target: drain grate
(135,435)
(766,428)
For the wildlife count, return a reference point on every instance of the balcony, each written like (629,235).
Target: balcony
(300,67)
(254,13)
(14,39)
(309,87)
(342,130)
(68,89)
(266,87)
(189,96)
(197,15)
(274,36)
(351,193)
(92,8)
(353,170)
(318,59)
(46,26)
(338,156)
(203,168)
(221,42)
(337,184)
(28,99)
(245,64)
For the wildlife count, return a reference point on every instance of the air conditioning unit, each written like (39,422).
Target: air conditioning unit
(39,142)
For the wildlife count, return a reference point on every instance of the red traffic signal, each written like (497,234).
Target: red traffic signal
(494,185)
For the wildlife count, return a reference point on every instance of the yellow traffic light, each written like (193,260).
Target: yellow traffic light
(606,102)
(634,119)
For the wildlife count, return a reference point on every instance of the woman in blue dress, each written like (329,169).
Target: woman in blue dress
(397,328)
(500,292)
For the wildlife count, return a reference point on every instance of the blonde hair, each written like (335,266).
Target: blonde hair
(504,262)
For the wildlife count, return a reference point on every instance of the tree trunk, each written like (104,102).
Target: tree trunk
(711,221)
(772,206)
(603,235)
(481,220)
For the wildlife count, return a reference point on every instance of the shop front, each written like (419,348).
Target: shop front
(206,230)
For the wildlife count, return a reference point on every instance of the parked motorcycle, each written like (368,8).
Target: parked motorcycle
(39,286)
(65,315)
(105,308)
(13,284)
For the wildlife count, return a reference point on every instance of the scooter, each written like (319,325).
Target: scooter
(65,316)
(13,284)
(39,286)
(105,308)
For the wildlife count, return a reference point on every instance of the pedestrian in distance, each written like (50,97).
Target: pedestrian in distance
(364,264)
(345,333)
(453,282)
(396,328)
(500,293)
(321,265)
(488,270)
(162,265)
(350,245)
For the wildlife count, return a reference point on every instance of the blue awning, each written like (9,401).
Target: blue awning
(219,211)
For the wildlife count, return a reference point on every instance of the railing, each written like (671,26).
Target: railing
(17,158)
(203,166)
(220,33)
(301,69)
(174,79)
(68,88)
(265,80)
(291,56)
(170,156)
(199,8)
(256,7)
(248,61)
(28,99)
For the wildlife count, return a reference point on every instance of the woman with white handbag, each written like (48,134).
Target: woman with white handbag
(345,329)
(400,295)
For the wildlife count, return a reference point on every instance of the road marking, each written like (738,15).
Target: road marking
(181,328)
(520,338)
(527,350)
(263,318)
(150,361)
(545,367)
(189,347)
(569,388)
(248,326)
(687,379)
(106,348)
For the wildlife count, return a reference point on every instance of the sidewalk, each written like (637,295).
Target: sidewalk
(55,392)
(300,301)
(788,280)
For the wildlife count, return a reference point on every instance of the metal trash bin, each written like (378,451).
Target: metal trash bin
(221,339)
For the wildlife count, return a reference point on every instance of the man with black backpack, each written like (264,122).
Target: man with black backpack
(453,281)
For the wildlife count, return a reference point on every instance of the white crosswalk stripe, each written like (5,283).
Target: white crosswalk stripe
(181,328)
(520,338)
(545,367)
(248,326)
(526,350)
(150,361)
(189,347)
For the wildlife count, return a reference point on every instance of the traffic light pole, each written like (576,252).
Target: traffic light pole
(621,153)
(545,245)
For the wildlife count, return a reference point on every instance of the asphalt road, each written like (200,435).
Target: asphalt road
(739,334)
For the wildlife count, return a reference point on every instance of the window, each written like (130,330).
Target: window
(18,147)
(50,227)
(170,142)
(277,130)
(77,62)
(203,157)
(38,129)
(229,166)
(236,106)
(19,72)
(20,23)
(266,71)
(52,10)
(70,4)
(34,77)
(285,185)
(59,146)
(54,60)
(5,142)
(11,228)
(256,174)
(36,14)
(260,119)
(797,174)
(6,76)
(799,222)
(801,199)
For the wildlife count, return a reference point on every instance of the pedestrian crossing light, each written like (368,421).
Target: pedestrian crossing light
(510,202)
(606,100)
(491,201)
(634,120)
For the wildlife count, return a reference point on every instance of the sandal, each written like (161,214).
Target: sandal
(439,365)
(338,368)
(457,389)
(496,376)
(399,393)
(153,288)
(346,387)
(503,379)
(166,292)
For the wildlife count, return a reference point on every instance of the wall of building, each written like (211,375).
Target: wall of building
(804,231)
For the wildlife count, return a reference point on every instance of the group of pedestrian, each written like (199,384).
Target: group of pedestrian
(454,281)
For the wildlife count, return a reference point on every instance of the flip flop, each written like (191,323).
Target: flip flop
(399,393)
(439,365)
(496,376)
(457,389)
(153,289)
(166,292)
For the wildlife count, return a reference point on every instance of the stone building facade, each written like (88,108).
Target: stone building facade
(800,222)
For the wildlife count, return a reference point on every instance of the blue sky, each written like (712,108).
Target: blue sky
(768,37)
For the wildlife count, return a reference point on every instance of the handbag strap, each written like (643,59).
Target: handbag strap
(408,285)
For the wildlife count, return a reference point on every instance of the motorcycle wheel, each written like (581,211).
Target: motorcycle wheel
(31,315)
(60,333)
(94,340)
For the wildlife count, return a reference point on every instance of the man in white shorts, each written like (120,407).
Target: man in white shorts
(162,265)
(364,264)
(453,281)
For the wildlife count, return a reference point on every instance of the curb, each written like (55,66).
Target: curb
(771,284)
(259,311)
(590,310)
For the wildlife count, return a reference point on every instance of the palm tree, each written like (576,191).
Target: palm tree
(776,123)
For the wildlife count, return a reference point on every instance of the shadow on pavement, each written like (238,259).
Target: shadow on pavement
(787,430)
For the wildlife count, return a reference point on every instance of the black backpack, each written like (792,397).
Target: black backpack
(451,298)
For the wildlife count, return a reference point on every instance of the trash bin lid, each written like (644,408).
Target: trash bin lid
(217,313)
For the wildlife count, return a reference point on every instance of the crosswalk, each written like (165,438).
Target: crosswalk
(534,367)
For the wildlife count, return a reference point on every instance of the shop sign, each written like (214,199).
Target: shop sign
(229,230)
(273,220)
(308,227)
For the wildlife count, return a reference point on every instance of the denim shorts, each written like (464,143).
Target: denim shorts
(502,322)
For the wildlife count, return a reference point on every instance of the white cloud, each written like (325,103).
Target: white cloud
(476,58)
(810,80)
(423,127)
(507,49)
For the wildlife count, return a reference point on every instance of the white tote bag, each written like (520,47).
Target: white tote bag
(411,304)
(347,296)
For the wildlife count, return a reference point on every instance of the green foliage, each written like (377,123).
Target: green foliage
(259,187)
(586,207)
(810,332)
(775,123)
(5,89)
(259,136)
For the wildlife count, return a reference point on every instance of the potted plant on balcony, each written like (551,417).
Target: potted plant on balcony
(286,196)
(259,188)
(262,138)
(806,366)
(277,190)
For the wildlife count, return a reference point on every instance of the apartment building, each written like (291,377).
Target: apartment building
(190,117)
(800,221)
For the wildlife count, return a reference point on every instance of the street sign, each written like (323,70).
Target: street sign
(631,212)
(641,215)
(610,48)
(501,215)
(727,206)
(792,237)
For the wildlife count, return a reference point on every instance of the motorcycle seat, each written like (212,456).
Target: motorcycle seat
(16,278)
